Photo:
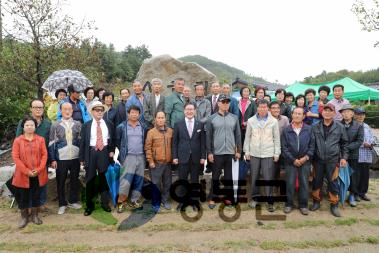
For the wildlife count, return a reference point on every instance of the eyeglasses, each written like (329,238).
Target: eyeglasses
(37,107)
(98,110)
(225,102)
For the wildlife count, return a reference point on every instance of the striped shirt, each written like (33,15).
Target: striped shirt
(365,154)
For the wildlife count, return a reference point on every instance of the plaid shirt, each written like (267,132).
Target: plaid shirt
(365,154)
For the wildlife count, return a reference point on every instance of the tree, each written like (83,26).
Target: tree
(43,31)
(368,15)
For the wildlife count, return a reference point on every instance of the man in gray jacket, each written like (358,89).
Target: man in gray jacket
(223,143)
(203,105)
(154,103)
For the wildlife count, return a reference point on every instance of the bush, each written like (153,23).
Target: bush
(372,115)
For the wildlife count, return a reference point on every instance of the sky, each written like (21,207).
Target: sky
(278,40)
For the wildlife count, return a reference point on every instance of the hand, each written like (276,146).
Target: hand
(202,161)
(297,163)
(247,157)
(175,161)
(343,163)
(237,156)
(54,165)
(81,164)
(111,154)
(210,158)
(152,165)
(30,173)
(276,158)
(244,123)
(366,145)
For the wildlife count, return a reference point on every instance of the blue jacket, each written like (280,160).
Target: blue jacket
(296,146)
(83,109)
(122,139)
(133,100)
(233,107)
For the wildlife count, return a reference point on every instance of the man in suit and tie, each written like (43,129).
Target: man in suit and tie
(188,148)
(215,90)
(96,151)
(154,104)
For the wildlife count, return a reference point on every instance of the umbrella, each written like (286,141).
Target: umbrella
(113,179)
(61,79)
(344,182)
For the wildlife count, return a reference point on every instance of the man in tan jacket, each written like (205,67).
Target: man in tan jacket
(158,155)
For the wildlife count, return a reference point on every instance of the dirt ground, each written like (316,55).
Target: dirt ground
(356,231)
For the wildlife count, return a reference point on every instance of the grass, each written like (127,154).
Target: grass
(31,228)
(26,246)
(195,228)
(302,224)
(4,228)
(346,222)
(234,245)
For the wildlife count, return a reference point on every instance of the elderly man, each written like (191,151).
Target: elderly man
(203,106)
(213,98)
(64,155)
(96,151)
(174,104)
(338,101)
(121,110)
(154,104)
(79,106)
(262,148)
(137,99)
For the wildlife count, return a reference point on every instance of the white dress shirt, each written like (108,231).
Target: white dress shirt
(104,131)
(157,97)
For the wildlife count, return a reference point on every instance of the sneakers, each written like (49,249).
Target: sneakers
(166,205)
(61,210)
(316,205)
(334,210)
(120,207)
(287,209)
(304,211)
(74,206)
(365,198)
(156,209)
(134,205)
(352,200)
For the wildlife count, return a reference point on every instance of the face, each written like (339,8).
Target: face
(66,110)
(298,115)
(268,98)
(245,93)
(90,94)
(75,95)
(157,86)
(280,96)
(338,93)
(160,119)
(300,102)
(37,109)
(224,105)
(108,100)
(179,86)
(124,95)
(289,100)
(137,88)
(133,115)
(310,97)
(98,113)
(347,114)
(260,94)
(199,90)
(189,111)
(323,94)
(360,117)
(226,89)
(186,92)
(101,94)
(328,114)
(61,95)
(29,127)
(275,110)
(262,110)
(215,88)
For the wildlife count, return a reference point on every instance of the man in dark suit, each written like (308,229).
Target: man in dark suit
(188,149)
(96,151)
(154,103)
(215,90)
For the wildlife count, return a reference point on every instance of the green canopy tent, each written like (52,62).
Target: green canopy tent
(353,90)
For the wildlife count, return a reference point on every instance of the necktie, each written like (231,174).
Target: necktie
(214,101)
(99,138)
(190,128)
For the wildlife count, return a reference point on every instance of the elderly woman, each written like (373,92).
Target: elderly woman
(30,156)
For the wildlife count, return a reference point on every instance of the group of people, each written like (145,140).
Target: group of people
(157,133)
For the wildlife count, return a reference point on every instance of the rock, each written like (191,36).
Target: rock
(168,68)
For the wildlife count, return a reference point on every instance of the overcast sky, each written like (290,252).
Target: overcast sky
(277,40)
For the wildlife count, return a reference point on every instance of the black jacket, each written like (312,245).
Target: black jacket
(333,147)
(210,97)
(120,113)
(286,110)
(183,146)
(297,146)
(84,151)
(355,133)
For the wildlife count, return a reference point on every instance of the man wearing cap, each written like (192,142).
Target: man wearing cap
(223,143)
(355,134)
(79,107)
(365,155)
(262,148)
(52,111)
(95,153)
(331,153)
(338,101)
